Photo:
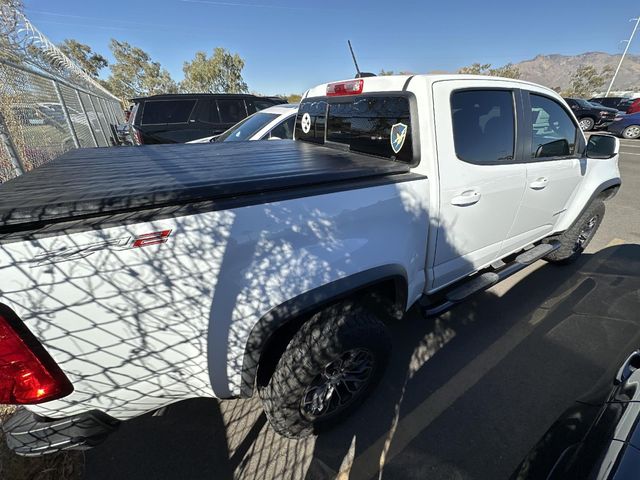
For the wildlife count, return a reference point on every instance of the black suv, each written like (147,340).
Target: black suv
(179,118)
(591,115)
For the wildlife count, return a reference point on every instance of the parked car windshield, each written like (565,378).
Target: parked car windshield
(247,127)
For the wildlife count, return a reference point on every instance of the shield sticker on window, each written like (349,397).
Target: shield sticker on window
(398,136)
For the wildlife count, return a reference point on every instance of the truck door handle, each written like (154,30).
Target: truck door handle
(539,183)
(466,198)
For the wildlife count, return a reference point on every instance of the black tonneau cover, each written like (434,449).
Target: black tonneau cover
(104,181)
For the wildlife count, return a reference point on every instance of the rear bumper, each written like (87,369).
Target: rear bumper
(604,122)
(29,435)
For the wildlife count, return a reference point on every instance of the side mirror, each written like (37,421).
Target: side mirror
(602,146)
(557,148)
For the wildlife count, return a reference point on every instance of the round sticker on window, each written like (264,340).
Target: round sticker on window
(305,123)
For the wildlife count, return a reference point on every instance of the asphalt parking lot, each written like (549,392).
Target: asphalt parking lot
(466,395)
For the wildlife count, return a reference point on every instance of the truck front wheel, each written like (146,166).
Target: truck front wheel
(579,235)
(328,368)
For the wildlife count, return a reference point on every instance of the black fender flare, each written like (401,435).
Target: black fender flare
(312,301)
(606,190)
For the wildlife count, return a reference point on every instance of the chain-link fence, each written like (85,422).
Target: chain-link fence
(48,104)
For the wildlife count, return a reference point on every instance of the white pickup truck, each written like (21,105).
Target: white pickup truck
(132,278)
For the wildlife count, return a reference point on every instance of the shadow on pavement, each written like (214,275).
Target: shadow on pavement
(466,395)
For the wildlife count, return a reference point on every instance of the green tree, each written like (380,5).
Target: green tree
(508,71)
(134,74)
(586,80)
(220,73)
(293,98)
(90,61)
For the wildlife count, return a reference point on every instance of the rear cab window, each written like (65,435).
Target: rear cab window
(374,124)
(167,111)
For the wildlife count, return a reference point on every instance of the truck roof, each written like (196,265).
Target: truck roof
(399,82)
(106,181)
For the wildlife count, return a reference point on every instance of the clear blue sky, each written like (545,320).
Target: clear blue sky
(291,45)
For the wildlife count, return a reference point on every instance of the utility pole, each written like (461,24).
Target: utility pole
(623,54)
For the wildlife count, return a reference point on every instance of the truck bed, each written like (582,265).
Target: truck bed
(86,183)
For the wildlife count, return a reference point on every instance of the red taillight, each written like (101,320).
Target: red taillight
(28,374)
(350,87)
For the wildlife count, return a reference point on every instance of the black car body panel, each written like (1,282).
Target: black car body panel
(619,103)
(595,440)
(601,116)
(179,118)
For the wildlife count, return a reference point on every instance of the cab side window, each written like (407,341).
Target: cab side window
(208,111)
(284,131)
(553,132)
(483,125)
(158,112)
(231,111)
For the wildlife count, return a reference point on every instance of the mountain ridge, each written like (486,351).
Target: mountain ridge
(554,70)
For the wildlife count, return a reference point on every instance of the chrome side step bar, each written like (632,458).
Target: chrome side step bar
(486,280)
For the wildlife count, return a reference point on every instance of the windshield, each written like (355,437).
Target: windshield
(248,127)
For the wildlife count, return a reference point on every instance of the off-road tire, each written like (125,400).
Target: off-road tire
(571,248)
(587,124)
(323,339)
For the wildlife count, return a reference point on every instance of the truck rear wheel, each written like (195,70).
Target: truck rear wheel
(579,235)
(328,368)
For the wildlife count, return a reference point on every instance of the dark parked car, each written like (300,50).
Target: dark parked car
(179,118)
(626,126)
(619,103)
(596,439)
(590,115)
